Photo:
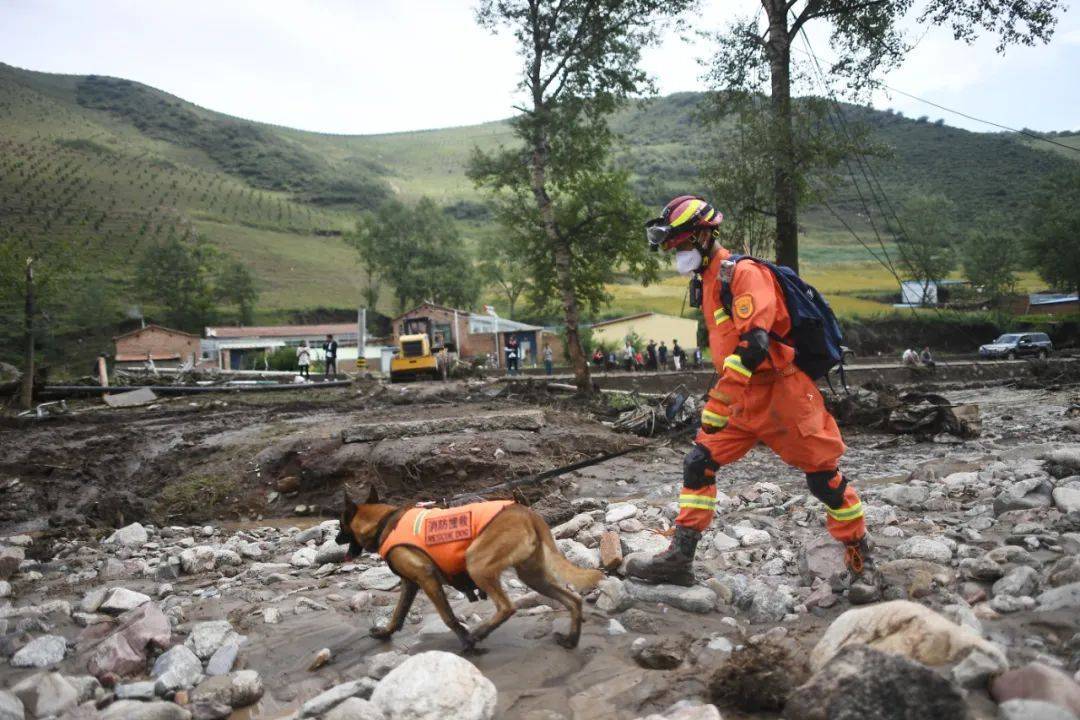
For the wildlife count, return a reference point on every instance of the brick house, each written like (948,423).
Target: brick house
(165,346)
(229,348)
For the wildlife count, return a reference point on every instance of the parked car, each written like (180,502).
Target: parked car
(1014,345)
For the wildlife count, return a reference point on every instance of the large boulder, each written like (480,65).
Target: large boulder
(177,668)
(1023,495)
(207,637)
(41,652)
(1032,710)
(46,694)
(237,689)
(909,497)
(123,652)
(903,628)
(435,685)
(138,710)
(925,548)
(1037,682)
(10,559)
(696,599)
(1067,497)
(336,695)
(1021,580)
(130,536)
(864,684)
(355,709)
(686,710)
(120,600)
(1066,597)
(11,707)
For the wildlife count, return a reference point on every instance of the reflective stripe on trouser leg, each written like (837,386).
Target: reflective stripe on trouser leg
(846,522)
(697,507)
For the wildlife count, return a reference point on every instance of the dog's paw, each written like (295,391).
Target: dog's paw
(381,633)
(566,641)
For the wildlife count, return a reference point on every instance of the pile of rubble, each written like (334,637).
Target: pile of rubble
(979,613)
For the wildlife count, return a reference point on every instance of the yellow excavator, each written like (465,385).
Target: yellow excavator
(418,356)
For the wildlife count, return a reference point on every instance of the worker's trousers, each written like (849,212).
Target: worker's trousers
(785,411)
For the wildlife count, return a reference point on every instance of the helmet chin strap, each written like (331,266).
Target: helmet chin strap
(705,248)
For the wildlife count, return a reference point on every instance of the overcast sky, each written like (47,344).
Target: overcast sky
(360,66)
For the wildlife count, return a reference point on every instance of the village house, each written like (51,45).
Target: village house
(164,346)
(237,348)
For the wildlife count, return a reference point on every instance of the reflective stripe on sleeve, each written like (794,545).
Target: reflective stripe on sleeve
(846,514)
(720,316)
(710,418)
(734,362)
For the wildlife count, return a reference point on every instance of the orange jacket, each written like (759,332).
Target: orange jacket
(444,534)
(757,302)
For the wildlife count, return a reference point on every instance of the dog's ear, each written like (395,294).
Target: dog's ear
(350,505)
(373,495)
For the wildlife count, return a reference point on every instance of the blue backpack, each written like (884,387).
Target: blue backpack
(815,333)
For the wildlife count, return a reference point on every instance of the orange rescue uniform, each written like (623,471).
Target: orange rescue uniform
(774,403)
(443,533)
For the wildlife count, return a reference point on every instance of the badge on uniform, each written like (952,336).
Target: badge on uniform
(743,306)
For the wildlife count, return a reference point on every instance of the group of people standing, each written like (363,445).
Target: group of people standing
(303,358)
(654,357)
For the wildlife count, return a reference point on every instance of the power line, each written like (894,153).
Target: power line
(976,119)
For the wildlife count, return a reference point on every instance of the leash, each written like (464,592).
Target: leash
(563,470)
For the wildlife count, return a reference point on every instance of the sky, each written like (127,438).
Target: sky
(362,66)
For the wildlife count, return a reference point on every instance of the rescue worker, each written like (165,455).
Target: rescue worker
(761,395)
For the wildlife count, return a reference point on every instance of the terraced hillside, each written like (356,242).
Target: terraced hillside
(105,167)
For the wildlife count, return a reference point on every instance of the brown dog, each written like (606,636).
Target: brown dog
(515,537)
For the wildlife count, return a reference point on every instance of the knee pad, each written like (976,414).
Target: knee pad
(818,483)
(696,462)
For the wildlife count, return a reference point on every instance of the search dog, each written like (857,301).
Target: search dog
(516,537)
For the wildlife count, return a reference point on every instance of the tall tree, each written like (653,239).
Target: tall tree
(502,265)
(865,39)
(925,238)
(1053,240)
(991,254)
(178,275)
(418,251)
(235,285)
(580,60)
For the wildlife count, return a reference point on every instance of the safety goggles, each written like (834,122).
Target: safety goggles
(662,236)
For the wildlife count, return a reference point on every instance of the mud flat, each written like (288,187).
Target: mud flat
(977,542)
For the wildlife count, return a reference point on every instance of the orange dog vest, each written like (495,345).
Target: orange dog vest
(444,534)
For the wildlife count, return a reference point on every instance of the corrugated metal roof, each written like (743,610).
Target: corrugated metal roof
(282,331)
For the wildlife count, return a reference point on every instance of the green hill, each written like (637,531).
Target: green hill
(109,165)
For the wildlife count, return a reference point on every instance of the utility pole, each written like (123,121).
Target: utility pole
(27,399)
(361,339)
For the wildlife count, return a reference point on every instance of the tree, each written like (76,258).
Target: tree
(865,40)
(235,285)
(1053,241)
(177,274)
(416,250)
(990,254)
(924,238)
(502,265)
(579,63)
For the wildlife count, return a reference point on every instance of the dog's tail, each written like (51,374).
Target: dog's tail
(583,579)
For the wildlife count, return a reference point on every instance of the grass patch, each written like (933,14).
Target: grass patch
(195,494)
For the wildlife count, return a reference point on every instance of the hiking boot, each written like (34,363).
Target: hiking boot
(674,565)
(859,559)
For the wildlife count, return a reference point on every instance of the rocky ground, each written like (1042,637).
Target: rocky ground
(978,544)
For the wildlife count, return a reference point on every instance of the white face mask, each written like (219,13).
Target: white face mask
(687,261)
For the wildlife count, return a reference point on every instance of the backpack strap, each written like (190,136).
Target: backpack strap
(726,294)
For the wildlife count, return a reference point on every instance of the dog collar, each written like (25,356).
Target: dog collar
(379,528)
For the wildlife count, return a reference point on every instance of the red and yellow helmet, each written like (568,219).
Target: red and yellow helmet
(679,219)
